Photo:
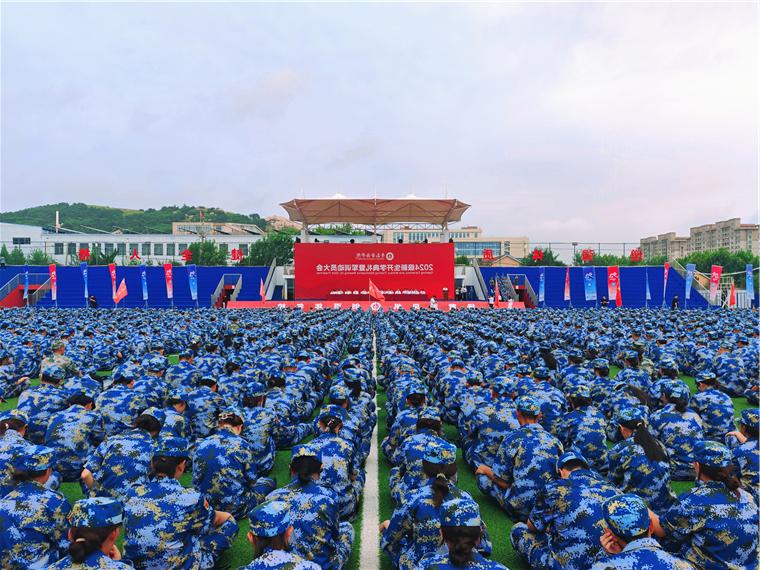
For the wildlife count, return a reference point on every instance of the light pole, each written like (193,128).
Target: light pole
(575,245)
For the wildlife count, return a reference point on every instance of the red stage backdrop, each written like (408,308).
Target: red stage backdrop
(403,272)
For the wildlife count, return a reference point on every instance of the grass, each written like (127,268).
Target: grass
(499,525)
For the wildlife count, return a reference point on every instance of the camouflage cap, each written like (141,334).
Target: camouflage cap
(57,345)
(528,405)
(706,377)
(600,364)
(441,453)
(303,451)
(668,364)
(751,418)
(269,519)
(542,373)
(15,414)
(712,454)
(460,512)
(172,447)
(339,392)
(34,458)
(626,515)
(54,373)
(96,512)
(523,369)
(631,355)
(579,391)
(503,385)
(570,455)
(158,414)
(676,390)
(157,363)
(429,413)
(255,390)
(631,414)
(230,414)
(332,411)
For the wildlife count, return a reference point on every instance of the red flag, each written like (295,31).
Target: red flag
(121,292)
(112,272)
(496,295)
(262,290)
(732,296)
(567,284)
(715,274)
(374,292)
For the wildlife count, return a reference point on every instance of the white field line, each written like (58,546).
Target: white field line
(369,558)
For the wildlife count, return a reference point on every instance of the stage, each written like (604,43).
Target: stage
(370,305)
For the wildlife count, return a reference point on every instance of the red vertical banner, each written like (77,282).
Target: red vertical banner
(715,274)
(496,295)
(112,273)
(732,296)
(169,280)
(613,284)
(665,281)
(567,284)
(53,282)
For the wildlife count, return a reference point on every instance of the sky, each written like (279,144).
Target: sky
(560,122)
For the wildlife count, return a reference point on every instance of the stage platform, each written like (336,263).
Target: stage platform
(369,305)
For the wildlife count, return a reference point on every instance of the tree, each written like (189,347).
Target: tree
(97,257)
(15,257)
(548,258)
(461,260)
(207,253)
(39,257)
(731,262)
(274,246)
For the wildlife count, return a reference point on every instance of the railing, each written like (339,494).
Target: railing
(481,282)
(506,283)
(270,276)
(226,279)
(236,290)
(529,288)
(695,285)
(39,294)
(18,281)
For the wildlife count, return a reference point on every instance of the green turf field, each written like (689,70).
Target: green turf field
(498,524)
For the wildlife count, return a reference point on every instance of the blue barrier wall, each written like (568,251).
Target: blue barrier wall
(632,283)
(71,284)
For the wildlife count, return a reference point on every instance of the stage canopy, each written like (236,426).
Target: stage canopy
(375,212)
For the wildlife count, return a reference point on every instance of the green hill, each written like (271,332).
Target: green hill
(83,217)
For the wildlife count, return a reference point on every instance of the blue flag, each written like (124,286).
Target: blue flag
(192,277)
(541,284)
(26,281)
(690,269)
(589,283)
(646,276)
(83,267)
(144,280)
(749,282)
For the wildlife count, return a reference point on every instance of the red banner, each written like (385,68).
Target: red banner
(374,306)
(342,271)
(112,272)
(121,292)
(53,282)
(715,274)
(169,281)
(613,278)
(567,284)
(732,296)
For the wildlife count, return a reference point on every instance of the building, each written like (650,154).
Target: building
(728,234)
(215,229)
(468,241)
(280,223)
(670,245)
(64,246)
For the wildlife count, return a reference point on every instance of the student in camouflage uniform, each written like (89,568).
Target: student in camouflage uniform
(746,452)
(566,523)
(32,518)
(270,534)
(42,401)
(224,468)
(627,540)
(59,358)
(715,525)
(95,525)
(714,407)
(525,463)
(169,526)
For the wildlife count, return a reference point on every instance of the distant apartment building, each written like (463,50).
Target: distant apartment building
(728,234)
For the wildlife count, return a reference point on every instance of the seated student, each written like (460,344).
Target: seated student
(714,407)
(525,463)
(318,535)
(565,526)
(170,526)
(461,532)
(95,525)
(627,540)
(716,523)
(32,518)
(270,533)
(639,463)
(746,451)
